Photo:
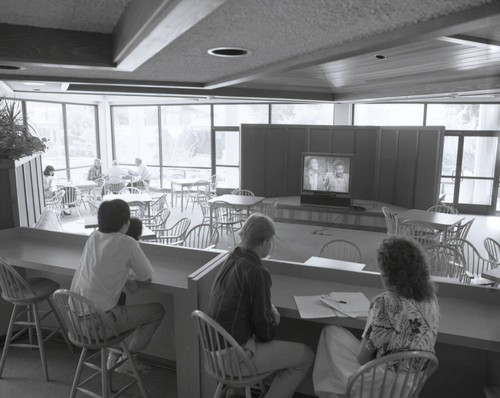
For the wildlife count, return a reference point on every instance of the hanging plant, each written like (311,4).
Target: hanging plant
(17,138)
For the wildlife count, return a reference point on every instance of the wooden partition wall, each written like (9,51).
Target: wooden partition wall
(21,192)
(395,165)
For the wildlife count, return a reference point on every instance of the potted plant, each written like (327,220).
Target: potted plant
(16,137)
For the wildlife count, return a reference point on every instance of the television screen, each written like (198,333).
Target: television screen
(327,173)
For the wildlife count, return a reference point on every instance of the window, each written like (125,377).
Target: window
(72,144)
(464,116)
(388,114)
(234,115)
(318,114)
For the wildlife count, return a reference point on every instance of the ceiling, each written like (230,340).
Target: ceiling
(321,50)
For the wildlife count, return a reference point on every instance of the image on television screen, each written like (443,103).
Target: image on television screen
(326,173)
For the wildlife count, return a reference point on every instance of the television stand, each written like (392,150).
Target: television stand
(326,200)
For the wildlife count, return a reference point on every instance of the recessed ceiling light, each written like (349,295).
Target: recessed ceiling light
(34,84)
(380,56)
(11,67)
(231,52)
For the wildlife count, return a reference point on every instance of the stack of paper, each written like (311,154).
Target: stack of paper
(349,304)
(311,307)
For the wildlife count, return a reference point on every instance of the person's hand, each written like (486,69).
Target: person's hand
(131,285)
(275,314)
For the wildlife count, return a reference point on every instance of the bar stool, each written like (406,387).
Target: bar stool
(92,329)
(27,293)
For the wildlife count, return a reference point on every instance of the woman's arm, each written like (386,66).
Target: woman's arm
(364,353)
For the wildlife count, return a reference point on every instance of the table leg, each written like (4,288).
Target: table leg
(182,198)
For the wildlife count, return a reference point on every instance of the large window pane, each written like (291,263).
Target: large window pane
(170,172)
(302,114)
(227,144)
(450,152)
(186,135)
(234,115)
(464,116)
(82,146)
(136,134)
(389,114)
(47,120)
(477,192)
(479,156)
(228,177)
(447,188)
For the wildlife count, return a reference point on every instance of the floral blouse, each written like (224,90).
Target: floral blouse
(397,324)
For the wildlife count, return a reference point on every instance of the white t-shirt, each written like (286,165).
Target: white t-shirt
(105,265)
(116,173)
(143,172)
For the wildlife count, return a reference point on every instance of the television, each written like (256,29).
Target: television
(327,174)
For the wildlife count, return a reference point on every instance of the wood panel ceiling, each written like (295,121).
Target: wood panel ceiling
(324,50)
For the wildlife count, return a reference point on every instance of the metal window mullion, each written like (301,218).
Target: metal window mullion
(160,146)
(66,140)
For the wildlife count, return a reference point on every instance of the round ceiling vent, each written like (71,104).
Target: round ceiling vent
(11,67)
(230,52)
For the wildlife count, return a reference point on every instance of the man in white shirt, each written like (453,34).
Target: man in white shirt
(110,261)
(142,171)
(116,173)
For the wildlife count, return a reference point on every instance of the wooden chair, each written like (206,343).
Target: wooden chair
(174,234)
(242,192)
(177,192)
(130,190)
(492,248)
(420,232)
(213,185)
(71,199)
(224,359)
(399,375)
(159,203)
(93,207)
(475,263)
(340,249)
(227,217)
(442,208)
(138,209)
(448,262)
(197,193)
(94,332)
(202,236)
(96,193)
(113,187)
(391,221)
(26,295)
(55,204)
(158,220)
(460,231)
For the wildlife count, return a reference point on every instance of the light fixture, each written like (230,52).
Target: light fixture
(34,84)
(229,52)
(11,67)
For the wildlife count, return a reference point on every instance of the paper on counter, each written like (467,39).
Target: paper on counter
(311,307)
(348,303)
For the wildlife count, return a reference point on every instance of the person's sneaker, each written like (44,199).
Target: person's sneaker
(112,360)
(126,367)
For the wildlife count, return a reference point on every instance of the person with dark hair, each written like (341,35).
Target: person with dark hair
(336,179)
(240,302)
(135,228)
(48,179)
(404,317)
(111,260)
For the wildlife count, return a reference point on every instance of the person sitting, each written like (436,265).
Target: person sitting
(312,179)
(240,302)
(111,260)
(95,171)
(135,228)
(116,173)
(336,180)
(142,172)
(404,317)
(48,181)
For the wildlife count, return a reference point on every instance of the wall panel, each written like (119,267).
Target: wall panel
(394,165)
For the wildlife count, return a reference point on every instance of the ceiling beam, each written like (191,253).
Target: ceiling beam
(457,23)
(146,27)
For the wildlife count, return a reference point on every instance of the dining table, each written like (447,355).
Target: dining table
(185,183)
(440,221)
(240,202)
(91,222)
(131,197)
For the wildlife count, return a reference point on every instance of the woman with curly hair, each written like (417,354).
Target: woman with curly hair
(404,317)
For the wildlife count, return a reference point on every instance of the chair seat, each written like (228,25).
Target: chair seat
(42,289)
